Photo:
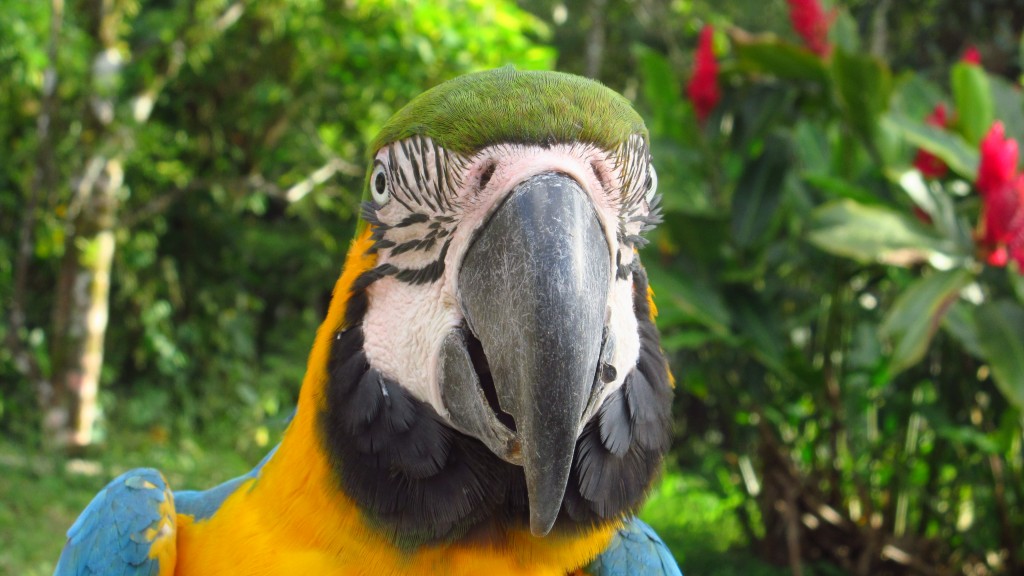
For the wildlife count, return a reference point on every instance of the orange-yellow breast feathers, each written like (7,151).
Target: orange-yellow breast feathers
(294,519)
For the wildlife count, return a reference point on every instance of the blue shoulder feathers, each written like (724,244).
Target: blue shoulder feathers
(115,533)
(636,550)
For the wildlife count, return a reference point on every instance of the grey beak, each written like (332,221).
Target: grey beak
(534,289)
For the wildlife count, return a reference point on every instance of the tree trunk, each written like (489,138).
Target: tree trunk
(596,39)
(67,389)
(83,282)
(80,316)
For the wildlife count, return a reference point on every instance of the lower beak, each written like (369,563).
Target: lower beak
(534,290)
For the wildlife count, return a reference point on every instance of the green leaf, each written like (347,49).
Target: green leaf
(970,437)
(914,96)
(687,340)
(812,146)
(844,31)
(758,192)
(959,323)
(761,328)
(768,55)
(872,234)
(1016,277)
(960,156)
(699,236)
(661,90)
(937,203)
(864,85)
(1009,105)
(839,188)
(1020,53)
(759,109)
(1001,335)
(916,314)
(973,99)
(693,299)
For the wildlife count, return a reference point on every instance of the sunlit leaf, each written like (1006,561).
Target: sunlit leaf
(873,233)
(952,149)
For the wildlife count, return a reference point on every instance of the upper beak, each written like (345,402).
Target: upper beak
(534,289)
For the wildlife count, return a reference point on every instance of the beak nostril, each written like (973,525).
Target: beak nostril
(485,177)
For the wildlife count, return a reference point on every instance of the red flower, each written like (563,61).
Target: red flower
(929,165)
(971,56)
(703,86)
(812,24)
(998,165)
(1001,232)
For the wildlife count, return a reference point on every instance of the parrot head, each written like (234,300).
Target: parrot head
(498,364)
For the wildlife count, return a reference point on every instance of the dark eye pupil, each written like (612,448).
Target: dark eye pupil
(380,182)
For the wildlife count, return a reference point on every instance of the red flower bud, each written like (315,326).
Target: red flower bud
(703,86)
(971,56)
(812,24)
(929,165)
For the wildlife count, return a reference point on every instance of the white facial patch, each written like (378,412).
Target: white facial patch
(436,203)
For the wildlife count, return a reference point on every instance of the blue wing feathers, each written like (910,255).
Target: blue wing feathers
(635,550)
(202,505)
(114,533)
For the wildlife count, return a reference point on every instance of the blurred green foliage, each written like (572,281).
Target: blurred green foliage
(824,337)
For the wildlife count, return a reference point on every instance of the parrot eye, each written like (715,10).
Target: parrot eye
(652,183)
(379,185)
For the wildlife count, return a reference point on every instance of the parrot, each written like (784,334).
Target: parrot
(487,393)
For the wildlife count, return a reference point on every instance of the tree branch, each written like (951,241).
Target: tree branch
(596,38)
(155,206)
(319,176)
(142,103)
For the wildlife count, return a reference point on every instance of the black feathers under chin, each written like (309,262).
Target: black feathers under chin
(422,482)
(620,451)
(415,477)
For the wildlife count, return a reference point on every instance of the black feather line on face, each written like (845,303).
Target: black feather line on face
(422,483)
(428,273)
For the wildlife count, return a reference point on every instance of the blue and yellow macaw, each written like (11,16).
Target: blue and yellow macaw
(487,394)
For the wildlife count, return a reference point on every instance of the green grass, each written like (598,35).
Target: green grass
(41,497)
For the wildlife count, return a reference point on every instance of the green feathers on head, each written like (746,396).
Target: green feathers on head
(507,105)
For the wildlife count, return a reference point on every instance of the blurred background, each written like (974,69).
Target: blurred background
(838,274)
